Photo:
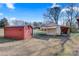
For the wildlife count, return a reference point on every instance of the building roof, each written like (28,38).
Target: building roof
(50,25)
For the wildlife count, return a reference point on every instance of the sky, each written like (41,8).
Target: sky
(29,12)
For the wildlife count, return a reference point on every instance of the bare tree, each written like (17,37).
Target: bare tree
(4,22)
(72,13)
(52,14)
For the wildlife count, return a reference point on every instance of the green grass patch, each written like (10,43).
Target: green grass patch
(3,40)
(38,32)
(74,34)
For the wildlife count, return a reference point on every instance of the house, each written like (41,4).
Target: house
(53,29)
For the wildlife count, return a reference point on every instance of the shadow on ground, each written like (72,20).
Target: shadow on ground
(47,37)
(4,40)
(61,39)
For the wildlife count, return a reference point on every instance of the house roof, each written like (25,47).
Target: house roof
(50,25)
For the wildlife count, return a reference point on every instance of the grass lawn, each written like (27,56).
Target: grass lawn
(74,34)
(4,40)
(37,31)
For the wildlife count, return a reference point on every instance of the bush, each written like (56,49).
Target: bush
(74,30)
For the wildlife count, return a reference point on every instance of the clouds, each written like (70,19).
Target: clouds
(55,5)
(10,20)
(67,9)
(10,5)
(76,9)
(13,18)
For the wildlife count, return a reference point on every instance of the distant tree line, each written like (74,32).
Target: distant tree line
(3,22)
(37,25)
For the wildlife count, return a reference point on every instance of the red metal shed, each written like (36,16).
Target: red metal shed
(18,32)
(64,29)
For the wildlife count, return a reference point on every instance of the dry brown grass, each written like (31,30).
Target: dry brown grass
(39,47)
(71,47)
